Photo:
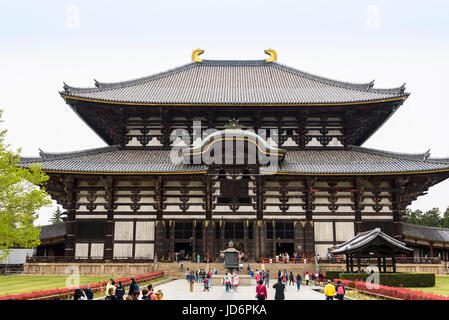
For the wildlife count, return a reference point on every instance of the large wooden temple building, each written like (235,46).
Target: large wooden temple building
(251,151)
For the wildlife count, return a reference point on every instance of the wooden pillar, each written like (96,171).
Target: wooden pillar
(245,238)
(352,262)
(379,265)
(274,239)
(347,263)
(359,265)
(393,261)
(70,205)
(222,235)
(171,240)
(385,264)
(357,197)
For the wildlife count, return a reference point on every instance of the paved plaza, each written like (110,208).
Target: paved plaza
(179,290)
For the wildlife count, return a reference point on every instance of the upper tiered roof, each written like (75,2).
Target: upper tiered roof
(234,82)
(354,161)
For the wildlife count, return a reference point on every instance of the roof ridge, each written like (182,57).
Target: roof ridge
(71,154)
(398,155)
(427,227)
(99,86)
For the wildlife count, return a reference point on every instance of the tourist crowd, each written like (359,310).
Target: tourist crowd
(117,292)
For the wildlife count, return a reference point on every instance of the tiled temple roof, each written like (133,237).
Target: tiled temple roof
(364,238)
(53,231)
(239,82)
(425,233)
(354,160)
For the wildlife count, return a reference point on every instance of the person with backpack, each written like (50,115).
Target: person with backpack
(133,287)
(298,280)
(340,291)
(291,278)
(261,291)
(329,291)
(120,291)
(313,279)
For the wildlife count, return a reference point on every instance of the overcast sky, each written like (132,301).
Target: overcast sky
(43,43)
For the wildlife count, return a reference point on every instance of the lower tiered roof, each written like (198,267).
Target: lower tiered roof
(351,161)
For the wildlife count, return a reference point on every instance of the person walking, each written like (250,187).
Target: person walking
(261,291)
(258,277)
(313,279)
(236,282)
(321,279)
(206,285)
(291,278)
(329,291)
(307,278)
(280,288)
(267,278)
(181,266)
(227,282)
(340,291)
(298,280)
(191,279)
(209,280)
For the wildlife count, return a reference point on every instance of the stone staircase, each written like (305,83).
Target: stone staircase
(172,270)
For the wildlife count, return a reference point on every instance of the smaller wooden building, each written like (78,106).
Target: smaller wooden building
(367,246)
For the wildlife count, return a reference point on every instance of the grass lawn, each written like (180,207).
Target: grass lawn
(15,284)
(441,286)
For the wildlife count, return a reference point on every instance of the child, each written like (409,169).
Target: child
(206,284)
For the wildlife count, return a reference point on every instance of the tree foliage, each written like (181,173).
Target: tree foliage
(432,218)
(56,216)
(21,195)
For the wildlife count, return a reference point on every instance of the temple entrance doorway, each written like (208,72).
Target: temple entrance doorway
(284,247)
(183,251)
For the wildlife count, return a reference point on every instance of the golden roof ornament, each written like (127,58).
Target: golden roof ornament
(195,55)
(273,56)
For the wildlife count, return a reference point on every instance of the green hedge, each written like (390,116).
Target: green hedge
(331,275)
(398,279)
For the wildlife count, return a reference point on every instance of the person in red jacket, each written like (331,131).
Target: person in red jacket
(261,291)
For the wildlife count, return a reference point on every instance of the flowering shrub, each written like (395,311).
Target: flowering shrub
(395,292)
(66,292)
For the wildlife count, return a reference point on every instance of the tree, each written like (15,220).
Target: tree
(445,219)
(22,194)
(413,217)
(431,218)
(56,217)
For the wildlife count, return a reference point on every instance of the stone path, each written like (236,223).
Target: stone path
(179,290)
